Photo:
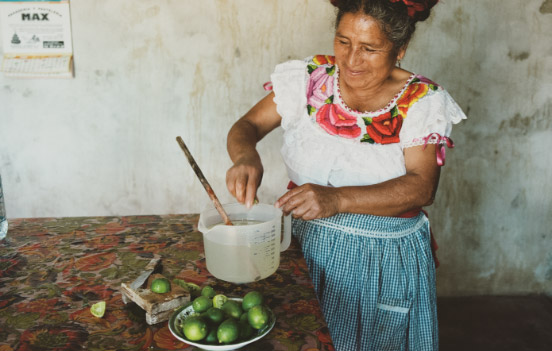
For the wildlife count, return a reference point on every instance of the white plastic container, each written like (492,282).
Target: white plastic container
(244,253)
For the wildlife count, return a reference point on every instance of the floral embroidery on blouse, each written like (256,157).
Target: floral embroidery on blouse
(335,120)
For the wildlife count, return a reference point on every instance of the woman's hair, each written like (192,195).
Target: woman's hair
(397,18)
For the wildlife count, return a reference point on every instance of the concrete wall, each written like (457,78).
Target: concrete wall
(104,143)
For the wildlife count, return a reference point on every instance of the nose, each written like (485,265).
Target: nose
(353,56)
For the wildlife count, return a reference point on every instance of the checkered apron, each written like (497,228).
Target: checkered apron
(375,280)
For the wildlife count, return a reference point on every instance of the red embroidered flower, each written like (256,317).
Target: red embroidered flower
(335,120)
(413,93)
(324,59)
(383,129)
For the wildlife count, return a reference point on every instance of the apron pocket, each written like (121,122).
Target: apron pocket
(392,317)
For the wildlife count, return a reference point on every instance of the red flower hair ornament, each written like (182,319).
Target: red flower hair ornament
(418,10)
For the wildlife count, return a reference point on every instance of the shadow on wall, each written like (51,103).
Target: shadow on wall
(492,217)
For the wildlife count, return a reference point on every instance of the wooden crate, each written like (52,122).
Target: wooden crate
(158,307)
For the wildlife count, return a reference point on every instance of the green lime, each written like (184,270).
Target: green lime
(161,286)
(232,309)
(194,289)
(98,309)
(244,318)
(202,304)
(244,330)
(214,315)
(212,337)
(219,300)
(180,282)
(228,331)
(208,291)
(258,316)
(252,299)
(194,328)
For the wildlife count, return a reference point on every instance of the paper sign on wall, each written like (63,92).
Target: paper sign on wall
(36,38)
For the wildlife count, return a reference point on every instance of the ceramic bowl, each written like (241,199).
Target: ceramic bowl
(187,310)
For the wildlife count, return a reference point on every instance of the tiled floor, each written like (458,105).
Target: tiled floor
(492,323)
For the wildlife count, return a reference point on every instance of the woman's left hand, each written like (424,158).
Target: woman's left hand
(310,201)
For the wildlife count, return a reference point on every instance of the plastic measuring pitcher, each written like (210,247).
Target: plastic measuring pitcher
(250,249)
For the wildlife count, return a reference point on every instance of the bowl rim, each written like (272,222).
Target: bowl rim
(177,334)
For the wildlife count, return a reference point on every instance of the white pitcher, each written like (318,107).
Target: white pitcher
(244,253)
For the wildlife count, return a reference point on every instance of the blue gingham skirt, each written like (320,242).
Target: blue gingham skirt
(375,280)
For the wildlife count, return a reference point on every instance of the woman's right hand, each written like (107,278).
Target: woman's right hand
(243,179)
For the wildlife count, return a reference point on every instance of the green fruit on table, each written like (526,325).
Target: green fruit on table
(161,286)
(258,316)
(228,331)
(232,309)
(208,291)
(202,304)
(212,337)
(214,315)
(252,299)
(219,300)
(98,309)
(245,330)
(194,328)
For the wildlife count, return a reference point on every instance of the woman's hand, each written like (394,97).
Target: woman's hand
(243,179)
(310,201)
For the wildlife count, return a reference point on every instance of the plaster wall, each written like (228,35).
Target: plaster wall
(146,71)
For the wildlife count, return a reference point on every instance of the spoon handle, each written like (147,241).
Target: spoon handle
(204,181)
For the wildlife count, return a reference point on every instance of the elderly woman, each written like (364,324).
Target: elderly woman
(363,145)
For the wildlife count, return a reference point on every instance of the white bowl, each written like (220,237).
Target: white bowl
(185,311)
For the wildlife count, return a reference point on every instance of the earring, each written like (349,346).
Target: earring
(399,63)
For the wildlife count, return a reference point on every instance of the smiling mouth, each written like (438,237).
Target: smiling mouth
(353,73)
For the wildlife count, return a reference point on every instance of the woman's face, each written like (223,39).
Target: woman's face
(363,53)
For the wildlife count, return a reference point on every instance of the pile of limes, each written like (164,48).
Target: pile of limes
(219,320)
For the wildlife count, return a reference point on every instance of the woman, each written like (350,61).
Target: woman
(363,145)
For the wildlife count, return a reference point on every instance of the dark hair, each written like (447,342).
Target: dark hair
(397,18)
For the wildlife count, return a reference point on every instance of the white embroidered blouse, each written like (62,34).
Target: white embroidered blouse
(327,143)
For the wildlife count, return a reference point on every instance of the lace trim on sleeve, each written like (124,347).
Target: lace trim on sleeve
(431,139)
(435,113)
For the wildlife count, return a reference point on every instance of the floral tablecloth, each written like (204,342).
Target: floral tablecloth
(53,269)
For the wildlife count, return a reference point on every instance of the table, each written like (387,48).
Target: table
(53,269)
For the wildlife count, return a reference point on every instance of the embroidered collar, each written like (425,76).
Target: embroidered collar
(326,107)
(338,99)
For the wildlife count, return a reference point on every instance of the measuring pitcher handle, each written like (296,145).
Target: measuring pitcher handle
(287,233)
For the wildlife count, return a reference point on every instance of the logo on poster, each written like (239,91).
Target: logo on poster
(34,17)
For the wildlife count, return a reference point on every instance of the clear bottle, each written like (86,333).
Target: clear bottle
(3,219)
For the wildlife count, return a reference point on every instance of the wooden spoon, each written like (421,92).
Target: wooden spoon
(204,181)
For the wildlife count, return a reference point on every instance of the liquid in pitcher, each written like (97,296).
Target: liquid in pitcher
(244,263)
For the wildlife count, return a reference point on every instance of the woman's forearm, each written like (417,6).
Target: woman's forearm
(391,198)
(242,141)
(245,175)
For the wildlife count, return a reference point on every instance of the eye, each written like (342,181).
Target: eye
(341,41)
(367,49)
